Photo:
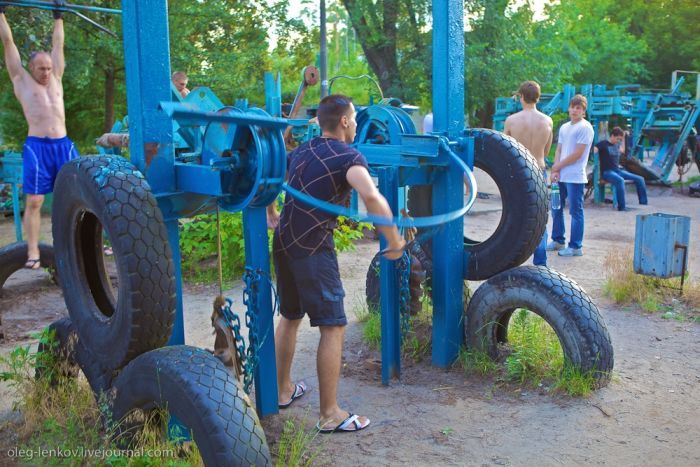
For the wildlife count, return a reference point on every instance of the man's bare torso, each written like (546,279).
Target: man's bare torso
(532,129)
(42,105)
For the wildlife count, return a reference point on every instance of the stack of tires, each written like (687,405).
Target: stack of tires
(497,260)
(117,336)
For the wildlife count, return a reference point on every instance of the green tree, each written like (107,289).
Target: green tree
(669,28)
(394,37)
(604,51)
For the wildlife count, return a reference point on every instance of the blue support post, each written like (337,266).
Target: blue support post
(257,257)
(388,282)
(147,64)
(448,244)
(178,335)
(147,84)
(448,67)
(273,94)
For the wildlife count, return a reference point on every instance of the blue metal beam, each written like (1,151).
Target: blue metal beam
(448,67)
(448,189)
(389,286)
(147,84)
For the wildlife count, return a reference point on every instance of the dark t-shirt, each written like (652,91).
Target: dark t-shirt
(318,168)
(609,154)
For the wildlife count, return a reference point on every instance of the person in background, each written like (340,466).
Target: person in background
(532,129)
(47,147)
(428,123)
(609,151)
(180,80)
(569,170)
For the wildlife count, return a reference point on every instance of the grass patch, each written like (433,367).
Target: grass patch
(536,353)
(651,294)
(688,181)
(60,412)
(417,343)
(294,446)
(532,357)
(476,362)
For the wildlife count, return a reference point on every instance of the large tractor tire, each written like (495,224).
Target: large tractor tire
(525,208)
(65,355)
(200,392)
(14,255)
(93,194)
(572,315)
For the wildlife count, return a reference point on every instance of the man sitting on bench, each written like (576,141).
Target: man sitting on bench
(609,153)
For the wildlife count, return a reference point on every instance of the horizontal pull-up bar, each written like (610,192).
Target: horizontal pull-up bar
(53,6)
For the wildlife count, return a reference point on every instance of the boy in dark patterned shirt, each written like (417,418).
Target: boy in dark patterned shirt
(308,279)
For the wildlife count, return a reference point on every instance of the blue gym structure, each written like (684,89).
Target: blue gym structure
(660,122)
(197,155)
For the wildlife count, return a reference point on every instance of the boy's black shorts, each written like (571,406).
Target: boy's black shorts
(311,286)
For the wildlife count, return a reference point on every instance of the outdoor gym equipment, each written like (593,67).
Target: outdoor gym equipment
(237,161)
(66,7)
(660,122)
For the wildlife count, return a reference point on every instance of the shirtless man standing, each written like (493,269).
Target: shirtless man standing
(532,129)
(47,148)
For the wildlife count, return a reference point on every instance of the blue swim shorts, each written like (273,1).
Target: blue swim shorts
(42,159)
(311,286)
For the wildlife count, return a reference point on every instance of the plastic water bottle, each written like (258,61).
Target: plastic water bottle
(555,197)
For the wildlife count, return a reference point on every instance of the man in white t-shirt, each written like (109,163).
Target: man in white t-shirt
(569,169)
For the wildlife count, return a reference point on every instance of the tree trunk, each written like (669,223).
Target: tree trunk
(378,40)
(109,99)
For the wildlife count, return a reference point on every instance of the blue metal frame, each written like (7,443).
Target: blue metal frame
(186,180)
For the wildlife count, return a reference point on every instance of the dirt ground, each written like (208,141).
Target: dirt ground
(648,415)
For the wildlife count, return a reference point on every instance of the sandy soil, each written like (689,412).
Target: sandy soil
(648,415)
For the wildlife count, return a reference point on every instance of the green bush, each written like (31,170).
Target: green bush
(198,238)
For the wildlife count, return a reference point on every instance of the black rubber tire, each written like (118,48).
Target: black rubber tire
(63,352)
(200,392)
(107,192)
(69,356)
(14,255)
(558,300)
(372,279)
(525,205)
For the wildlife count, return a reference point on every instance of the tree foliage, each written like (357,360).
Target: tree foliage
(228,45)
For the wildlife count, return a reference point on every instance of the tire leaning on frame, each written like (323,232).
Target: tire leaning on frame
(108,193)
(564,305)
(523,192)
(196,388)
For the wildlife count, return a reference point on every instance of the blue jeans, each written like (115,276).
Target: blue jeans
(574,193)
(540,256)
(617,178)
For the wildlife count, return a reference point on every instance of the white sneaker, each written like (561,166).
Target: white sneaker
(554,246)
(571,252)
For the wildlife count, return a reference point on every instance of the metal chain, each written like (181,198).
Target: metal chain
(404,267)
(248,354)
